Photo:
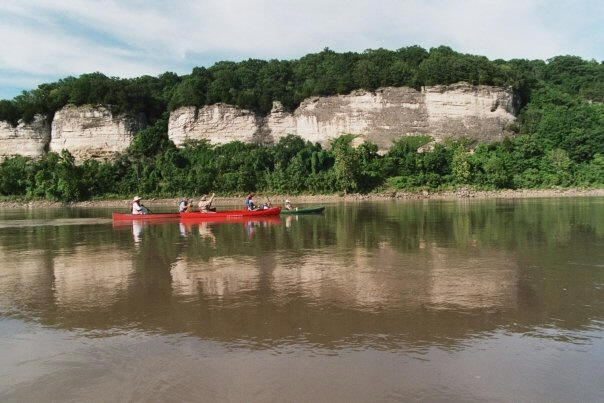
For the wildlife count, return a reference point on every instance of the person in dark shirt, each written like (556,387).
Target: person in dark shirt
(249,202)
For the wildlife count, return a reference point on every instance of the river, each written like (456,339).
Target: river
(493,300)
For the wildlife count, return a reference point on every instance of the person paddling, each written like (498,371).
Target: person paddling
(267,205)
(249,202)
(137,207)
(205,204)
(184,205)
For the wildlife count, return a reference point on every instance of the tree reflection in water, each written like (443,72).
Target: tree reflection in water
(385,274)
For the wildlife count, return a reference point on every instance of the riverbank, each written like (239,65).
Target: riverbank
(459,194)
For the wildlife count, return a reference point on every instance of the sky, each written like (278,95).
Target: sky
(44,40)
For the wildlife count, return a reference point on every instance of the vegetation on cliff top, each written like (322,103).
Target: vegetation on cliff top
(255,84)
(559,138)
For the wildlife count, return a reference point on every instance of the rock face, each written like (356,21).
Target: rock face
(219,123)
(480,111)
(26,139)
(92,131)
(460,110)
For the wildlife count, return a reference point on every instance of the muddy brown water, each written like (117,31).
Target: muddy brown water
(492,300)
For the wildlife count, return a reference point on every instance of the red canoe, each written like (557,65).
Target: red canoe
(230,214)
(199,215)
(154,216)
(268,219)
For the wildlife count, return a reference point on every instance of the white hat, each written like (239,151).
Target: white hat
(136,198)
(287,201)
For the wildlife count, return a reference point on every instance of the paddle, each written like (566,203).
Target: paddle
(142,205)
(147,208)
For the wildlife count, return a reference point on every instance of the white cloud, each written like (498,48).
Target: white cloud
(129,38)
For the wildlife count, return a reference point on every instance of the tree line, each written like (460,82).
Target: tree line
(254,84)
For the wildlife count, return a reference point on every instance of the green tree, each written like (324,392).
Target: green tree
(460,165)
(346,169)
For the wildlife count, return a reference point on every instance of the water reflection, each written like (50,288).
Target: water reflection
(377,274)
(85,279)
(137,231)
(205,231)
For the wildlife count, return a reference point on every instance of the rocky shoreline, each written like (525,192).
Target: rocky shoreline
(459,194)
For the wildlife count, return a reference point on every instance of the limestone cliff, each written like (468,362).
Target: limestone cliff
(218,123)
(26,139)
(479,112)
(92,131)
(460,109)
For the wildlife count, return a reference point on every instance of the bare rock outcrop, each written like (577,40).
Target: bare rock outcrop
(26,139)
(219,123)
(92,131)
(459,110)
(379,117)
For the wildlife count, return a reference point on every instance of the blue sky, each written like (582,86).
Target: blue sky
(44,40)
